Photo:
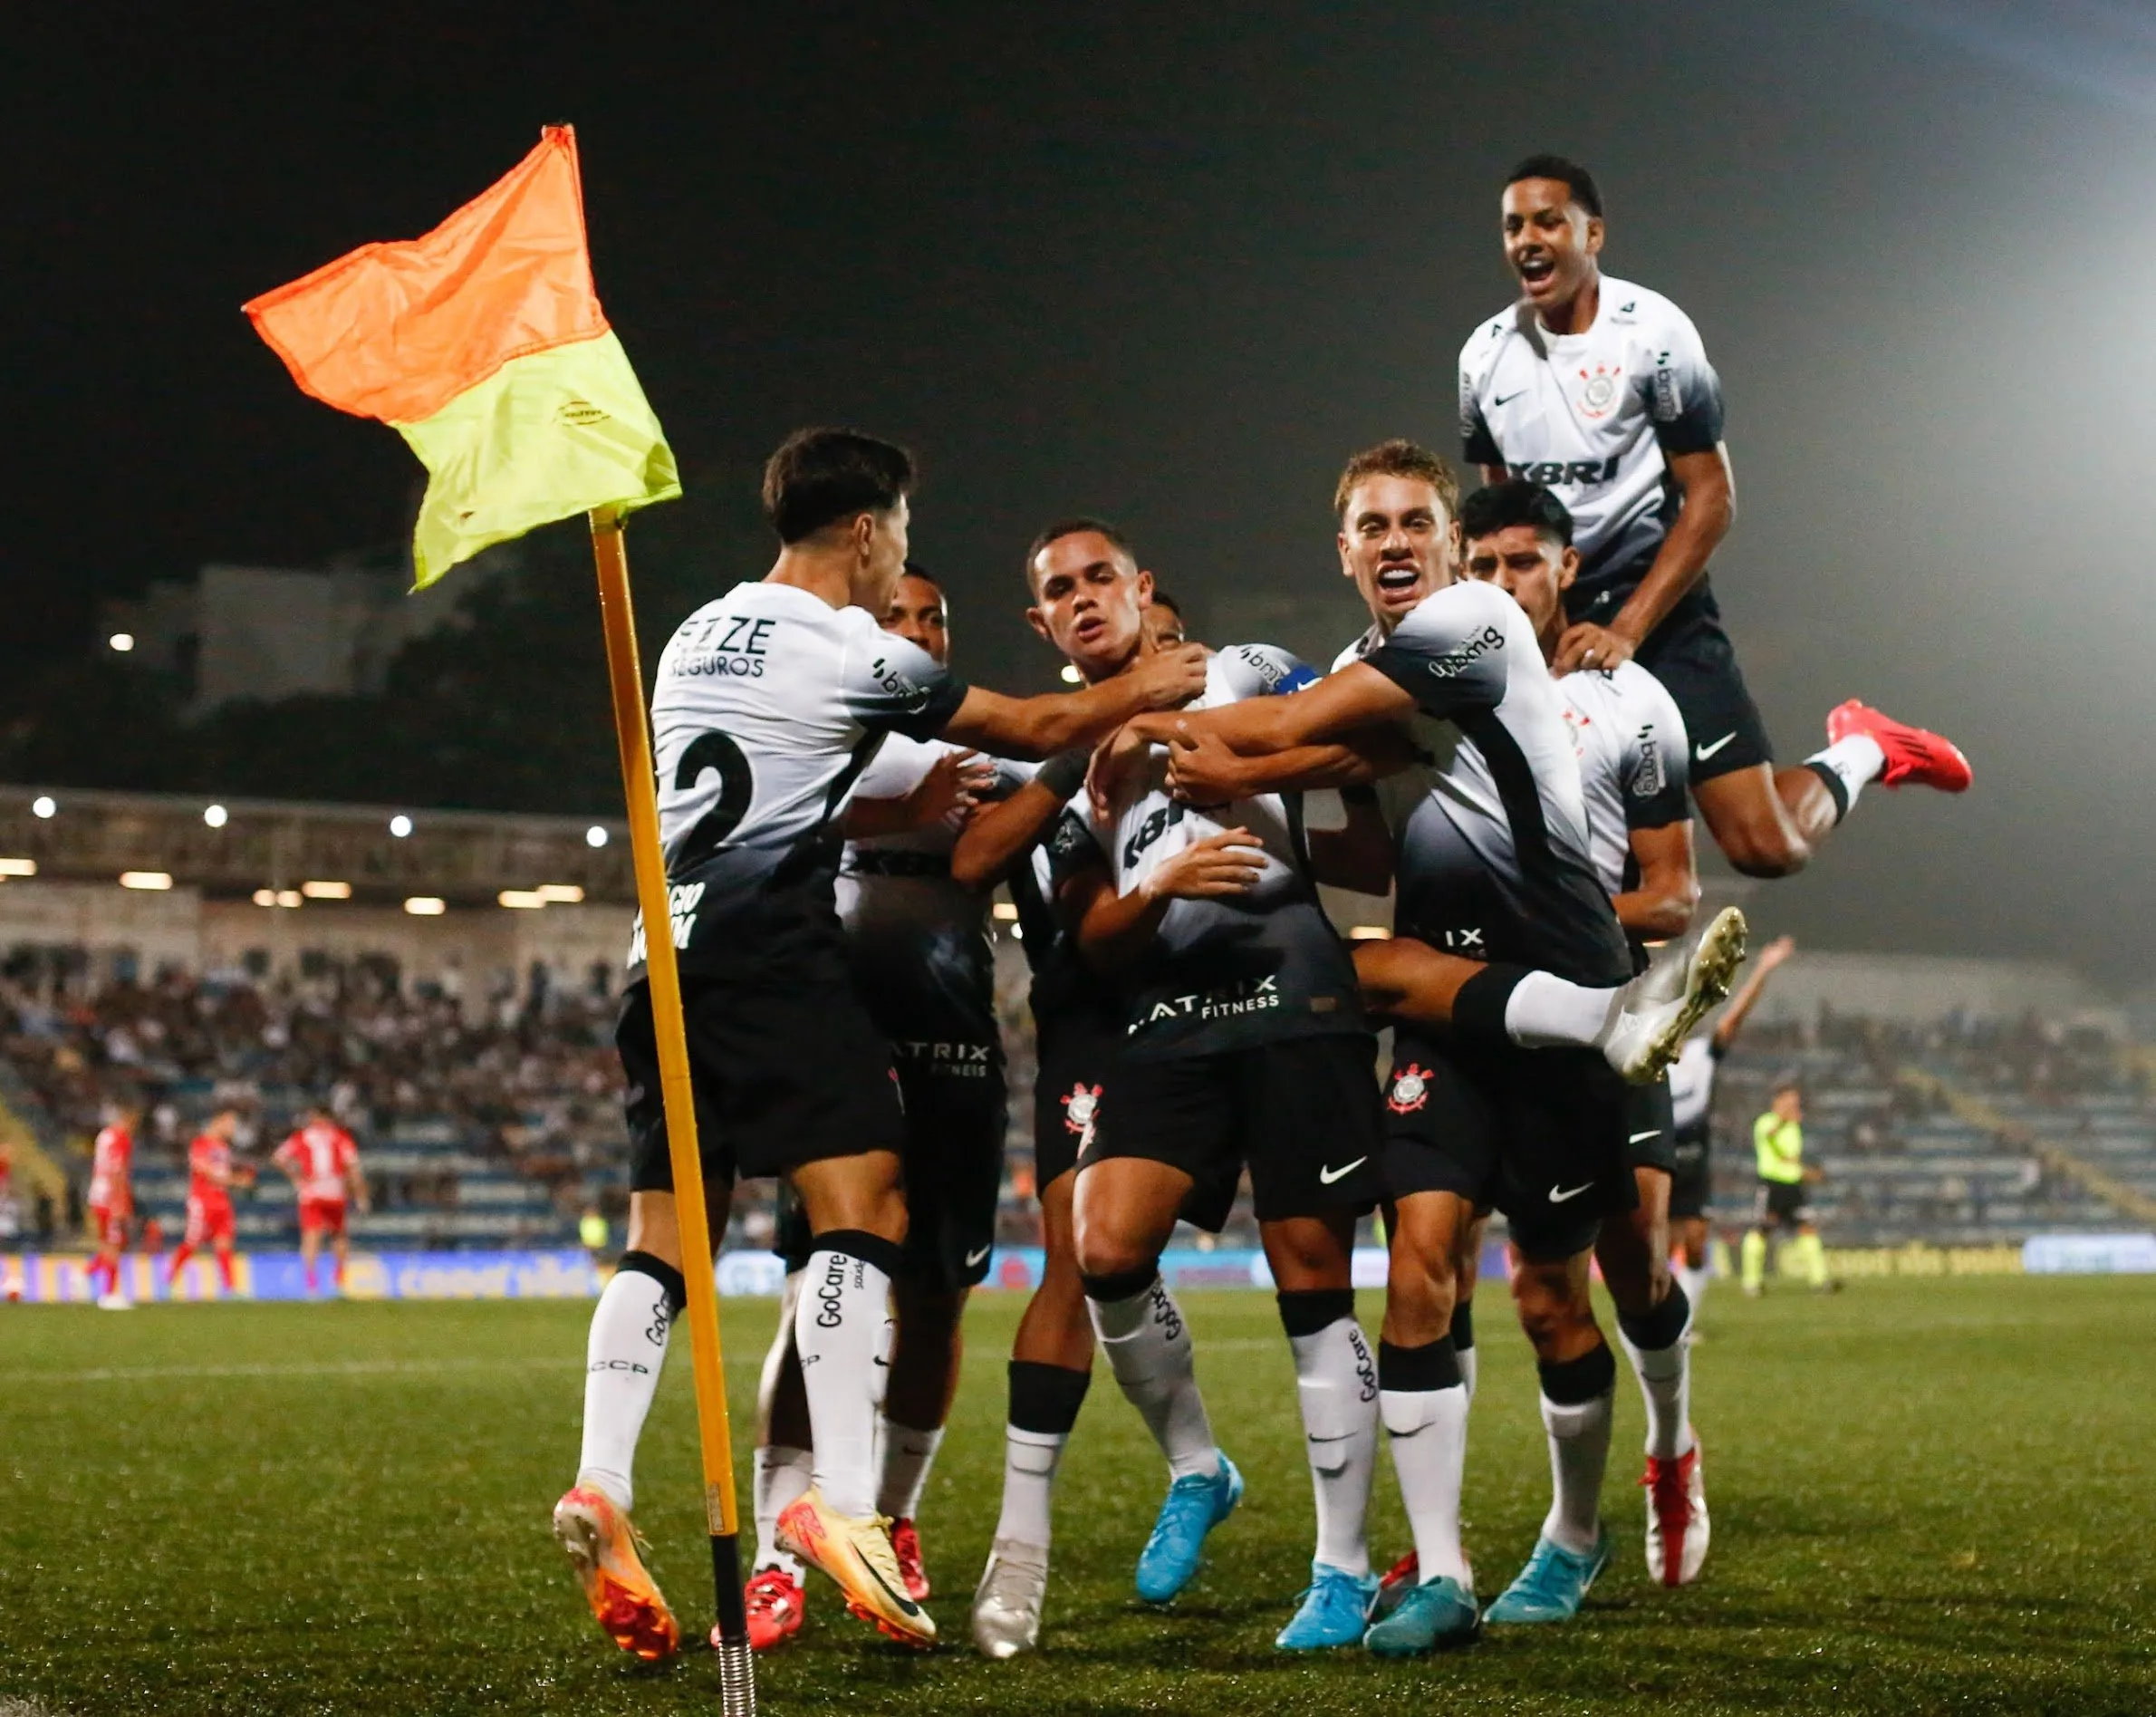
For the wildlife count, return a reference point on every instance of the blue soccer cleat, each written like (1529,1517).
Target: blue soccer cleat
(1430,1616)
(1334,1610)
(1550,1586)
(1194,1506)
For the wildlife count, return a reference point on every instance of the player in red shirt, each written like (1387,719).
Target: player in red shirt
(211,1176)
(324,1166)
(112,1200)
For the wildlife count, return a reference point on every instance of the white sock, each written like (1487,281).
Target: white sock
(1546,1011)
(622,1359)
(783,1475)
(1466,1356)
(842,1330)
(1337,1381)
(1854,761)
(908,1454)
(1579,1455)
(1149,1349)
(1694,1280)
(1429,1432)
(1665,1375)
(1029,1461)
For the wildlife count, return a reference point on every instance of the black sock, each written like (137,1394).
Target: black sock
(1478,1009)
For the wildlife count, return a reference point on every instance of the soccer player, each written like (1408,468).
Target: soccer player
(919,947)
(770,702)
(1778,1147)
(323,1162)
(1600,390)
(1493,861)
(112,1200)
(1245,1044)
(1106,615)
(211,1176)
(1691,1104)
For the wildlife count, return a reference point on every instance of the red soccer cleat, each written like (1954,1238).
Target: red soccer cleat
(905,1543)
(604,1550)
(777,1604)
(1913,754)
(1677,1522)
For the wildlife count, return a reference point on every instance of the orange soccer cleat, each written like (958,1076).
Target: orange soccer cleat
(605,1550)
(857,1553)
(905,1544)
(1913,754)
(777,1604)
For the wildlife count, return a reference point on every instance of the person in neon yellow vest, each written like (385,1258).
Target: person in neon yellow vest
(1778,1147)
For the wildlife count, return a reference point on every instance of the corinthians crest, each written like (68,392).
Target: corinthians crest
(1081,1103)
(1599,395)
(1410,1089)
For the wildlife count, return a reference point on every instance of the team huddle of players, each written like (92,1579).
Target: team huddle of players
(319,1158)
(1511,748)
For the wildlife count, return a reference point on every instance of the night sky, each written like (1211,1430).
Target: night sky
(1173,268)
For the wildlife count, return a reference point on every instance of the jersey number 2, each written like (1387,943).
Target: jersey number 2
(737,786)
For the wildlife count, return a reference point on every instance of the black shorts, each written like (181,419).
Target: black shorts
(953,1158)
(1301,1113)
(1649,1127)
(1692,1176)
(1788,1202)
(1537,1134)
(1692,656)
(1074,1057)
(784,1063)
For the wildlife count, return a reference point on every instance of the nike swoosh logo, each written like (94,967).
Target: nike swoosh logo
(1700,753)
(1325,1177)
(1557,1197)
(974,1258)
(1651,1133)
(1506,399)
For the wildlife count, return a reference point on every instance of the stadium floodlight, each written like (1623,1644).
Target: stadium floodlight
(18,867)
(1071,676)
(154,881)
(425,905)
(1370,933)
(266,897)
(319,891)
(215,816)
(1004,910)
(288,897)
(401,825)
(596,835)
(560,894)
(121,642)
(44,805)
(522,900)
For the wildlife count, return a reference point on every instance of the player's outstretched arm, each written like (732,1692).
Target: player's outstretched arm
(1660,904)
(954,783)
(1114,929)
(998,837)
(1203,770)
(1740,1005)
(1040,727)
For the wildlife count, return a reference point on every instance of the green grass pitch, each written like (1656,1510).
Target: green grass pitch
(1927,1496)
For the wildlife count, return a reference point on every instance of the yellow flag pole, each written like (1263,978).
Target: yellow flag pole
(632,731)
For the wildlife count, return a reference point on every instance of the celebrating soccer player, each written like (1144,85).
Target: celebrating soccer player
(1600,390)
(771,701)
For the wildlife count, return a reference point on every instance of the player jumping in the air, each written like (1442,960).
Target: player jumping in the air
(211,1176)
(1691,1104)
(1245,1044)
(770,702)
(1493,860)
(323,1162)
(1600,390)
(1092,601)
(112,1200)
(921,955)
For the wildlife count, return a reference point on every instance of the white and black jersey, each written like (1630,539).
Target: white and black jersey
(769,704)
(1223,974)
(1691,1087)
(917,942)
(1491,825)
(1632,750)
(1592,415)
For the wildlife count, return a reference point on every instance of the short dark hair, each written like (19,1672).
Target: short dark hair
(1398,457)
(1161,598)
(1072,526)
(818,476)
(914,569)
(1514,501)
(1574,178)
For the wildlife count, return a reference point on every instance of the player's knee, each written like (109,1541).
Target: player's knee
(1116,1259)
(1420,1292)
(1764,846)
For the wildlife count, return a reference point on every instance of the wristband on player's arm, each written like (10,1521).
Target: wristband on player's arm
(1064,773)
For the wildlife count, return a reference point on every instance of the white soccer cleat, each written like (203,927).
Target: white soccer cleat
(1676,1518)
(1660,1009)
(114,1303)
(1006,1604)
